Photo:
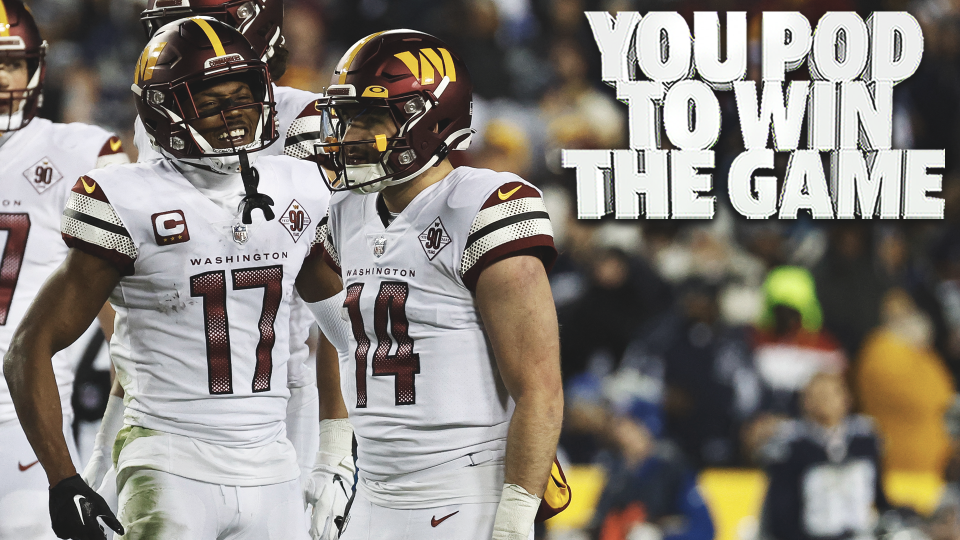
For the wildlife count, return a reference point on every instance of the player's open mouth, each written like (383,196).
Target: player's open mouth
(234,136)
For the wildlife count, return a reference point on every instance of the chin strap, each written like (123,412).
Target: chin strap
(253,199)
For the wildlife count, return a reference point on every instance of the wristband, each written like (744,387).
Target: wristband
(515,514)
(336,437)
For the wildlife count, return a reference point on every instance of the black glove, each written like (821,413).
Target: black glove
(74,509)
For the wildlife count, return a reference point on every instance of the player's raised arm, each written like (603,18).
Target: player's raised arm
(514,299)
(66,305)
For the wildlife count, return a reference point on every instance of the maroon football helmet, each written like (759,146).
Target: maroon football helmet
(405,77)
(20,39)
(184,58)
(260,21)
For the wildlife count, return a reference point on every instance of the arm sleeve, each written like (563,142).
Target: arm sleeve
(512,221)
(90,223)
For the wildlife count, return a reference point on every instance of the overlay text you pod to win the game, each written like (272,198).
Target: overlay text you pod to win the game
(847,108)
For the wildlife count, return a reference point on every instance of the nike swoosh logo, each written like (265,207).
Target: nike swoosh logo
(76,501)
(504,196)
(115,144)
(25,467)
(433,520)
(88,188)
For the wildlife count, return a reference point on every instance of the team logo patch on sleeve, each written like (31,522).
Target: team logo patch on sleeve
(434,238)
(170,227)
(295,220)
(42,175)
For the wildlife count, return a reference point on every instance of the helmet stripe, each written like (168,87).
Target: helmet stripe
(435,60)
(4,22)
(411,62)
(351,54)
(448,62)
(211,35)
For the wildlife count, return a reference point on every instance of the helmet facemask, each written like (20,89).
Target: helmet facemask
(213,130)
(384,156)
(18,106)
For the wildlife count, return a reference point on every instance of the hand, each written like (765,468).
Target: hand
(329,488)
(74,509)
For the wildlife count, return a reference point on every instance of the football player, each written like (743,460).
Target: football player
(452,384)
(261,23)
(199,253)
(38,160)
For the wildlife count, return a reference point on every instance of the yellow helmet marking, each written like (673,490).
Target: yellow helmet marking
(428,64)
(211,35)
(410,61)
(434,60)
(4,22)
(381,142)
(375,91)
(426,70)
(351,54)
(147,62)
(451,71)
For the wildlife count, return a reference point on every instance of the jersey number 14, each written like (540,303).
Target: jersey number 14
(404,364)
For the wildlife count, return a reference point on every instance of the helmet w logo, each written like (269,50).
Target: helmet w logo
(147,62)
(428,64)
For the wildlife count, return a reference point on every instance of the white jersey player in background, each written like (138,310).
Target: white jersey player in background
(202,292)
(261,22)
(39,162)
(452,383)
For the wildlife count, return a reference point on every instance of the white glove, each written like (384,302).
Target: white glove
(101,459)
(330,483)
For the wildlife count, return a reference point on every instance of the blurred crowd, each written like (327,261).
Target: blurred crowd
(825,352)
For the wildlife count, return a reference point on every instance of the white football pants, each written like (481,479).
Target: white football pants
(368,521)
(155,505)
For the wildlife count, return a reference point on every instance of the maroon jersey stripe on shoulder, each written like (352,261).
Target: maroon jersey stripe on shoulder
(112,146)
(89,187)
(508,192)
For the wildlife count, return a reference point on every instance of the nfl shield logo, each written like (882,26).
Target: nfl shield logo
(240,234)
(379,246)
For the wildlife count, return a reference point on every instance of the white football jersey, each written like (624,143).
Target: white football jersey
(290,102)
(421,381)
(38,166)
(202,334)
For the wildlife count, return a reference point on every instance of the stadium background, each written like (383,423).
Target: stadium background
(658,317)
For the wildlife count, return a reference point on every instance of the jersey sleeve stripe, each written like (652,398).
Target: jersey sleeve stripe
(94,208)
(499,211)
(94,235)
(506,222)
(508,233)
(95,223)
(91,224)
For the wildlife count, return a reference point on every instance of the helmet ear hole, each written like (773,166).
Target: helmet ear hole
(442,126)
